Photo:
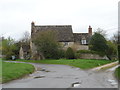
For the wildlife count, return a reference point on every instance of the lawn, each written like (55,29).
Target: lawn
(0,70)
(117,73)
(81,63)
(11,71)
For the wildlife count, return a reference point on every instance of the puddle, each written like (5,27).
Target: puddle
(76,84)
(47,71)
(42,69)
(77,68)
(39,69)
(76,78)
(59,77)
(39,76)
(112,82)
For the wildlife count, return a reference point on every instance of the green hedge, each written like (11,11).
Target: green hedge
(117,73)
(90,52)
(119,53)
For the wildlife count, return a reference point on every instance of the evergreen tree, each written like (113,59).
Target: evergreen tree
(98,43)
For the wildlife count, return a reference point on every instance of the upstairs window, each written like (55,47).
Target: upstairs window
(83,41)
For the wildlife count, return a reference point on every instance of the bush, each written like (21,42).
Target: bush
(117,73)
(119,53)
(77,55)
(70,54)
(111,52)
(61,54)
(8,55)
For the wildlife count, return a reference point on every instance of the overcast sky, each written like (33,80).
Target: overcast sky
(16,15)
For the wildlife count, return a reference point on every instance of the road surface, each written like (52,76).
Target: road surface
(63,76)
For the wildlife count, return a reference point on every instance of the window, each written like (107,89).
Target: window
(65,43)
(83,41)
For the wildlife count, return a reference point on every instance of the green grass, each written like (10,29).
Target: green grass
(117,73)
(11,71)
(0,70)
(81,63)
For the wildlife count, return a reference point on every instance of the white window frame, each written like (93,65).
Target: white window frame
(83,41)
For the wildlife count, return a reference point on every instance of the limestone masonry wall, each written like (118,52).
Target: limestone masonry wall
(92,56)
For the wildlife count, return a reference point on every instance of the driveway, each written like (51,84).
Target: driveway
(63,76)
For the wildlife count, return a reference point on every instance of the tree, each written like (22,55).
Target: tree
(8,47)
(119,53)
(116,37)
(25,38)
(47,44)
(70,54)
(16,51)
(111,52)
(102,32)
(98,43)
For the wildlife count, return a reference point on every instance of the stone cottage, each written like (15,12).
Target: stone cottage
(25,52)
(65,36)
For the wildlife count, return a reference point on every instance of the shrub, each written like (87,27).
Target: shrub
(61,54)
(8,55)
(70,54)
(111,52)
(117,73)
(77,55)
(119,53)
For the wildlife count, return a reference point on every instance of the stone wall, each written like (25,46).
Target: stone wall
(21,54)
(92,56)
(65,45)
(77,46)
(74,46)
(82,47)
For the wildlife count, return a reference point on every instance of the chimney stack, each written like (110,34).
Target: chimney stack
(32,24)
(90,30)
(32,27)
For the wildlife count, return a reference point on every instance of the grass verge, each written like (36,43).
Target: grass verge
(11,71)
(81,63)
(117,73)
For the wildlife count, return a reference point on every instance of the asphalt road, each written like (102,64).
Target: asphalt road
(62,76)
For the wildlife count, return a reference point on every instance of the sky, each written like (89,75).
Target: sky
(16,15)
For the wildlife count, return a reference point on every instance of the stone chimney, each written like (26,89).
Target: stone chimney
(32,27)
(90,30)
(32,24)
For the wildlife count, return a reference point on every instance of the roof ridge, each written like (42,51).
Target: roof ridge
(53,25)
(80,33)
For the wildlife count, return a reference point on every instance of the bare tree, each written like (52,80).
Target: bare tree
(26,38)
(102,32)
(116,38)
